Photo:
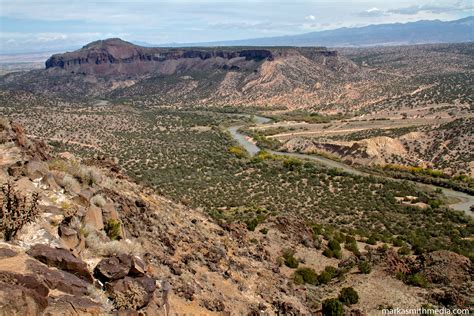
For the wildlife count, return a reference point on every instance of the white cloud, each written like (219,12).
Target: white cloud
(310,17)
(372,12)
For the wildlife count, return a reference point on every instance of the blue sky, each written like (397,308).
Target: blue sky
(51,25)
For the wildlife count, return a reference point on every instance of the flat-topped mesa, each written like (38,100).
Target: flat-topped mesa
(117,57)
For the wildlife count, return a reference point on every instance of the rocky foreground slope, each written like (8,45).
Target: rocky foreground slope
(102,243)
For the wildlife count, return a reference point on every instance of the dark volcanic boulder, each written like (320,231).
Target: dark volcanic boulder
(7,253)
(58,280)
(18,300)
(21,294)
(61,259)
(72,305)
(110,269)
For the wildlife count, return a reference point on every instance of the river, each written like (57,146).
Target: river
(463,200)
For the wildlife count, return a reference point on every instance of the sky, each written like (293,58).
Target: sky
(54,26)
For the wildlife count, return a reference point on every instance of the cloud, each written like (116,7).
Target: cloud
(459,6)
(436,9)
(372,12)
(49,41)
(310,17)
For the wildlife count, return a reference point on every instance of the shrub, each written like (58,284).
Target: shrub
(308,275)
(324,277)
(328,253)
(352,247)
(88,175)
(252,224)
(15,211)
(298,279)
(365,267)
(112,229)
(404,251)
(98,200)
(69,183)
(264,231)
(348,296)
(398,242)
(332,307)
(290,260)
(95,243)
(331,270)
(417,279)
(371,240)
(292,163)
(239,152)
(334,245)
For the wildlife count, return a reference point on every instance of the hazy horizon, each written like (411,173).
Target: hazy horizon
(70,25)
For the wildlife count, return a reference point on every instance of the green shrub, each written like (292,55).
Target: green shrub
(332,307)
(334,245)
(352,247)
(239,152)
(371,240)
(112,229)
(298,279)
(292,163)
(324,277)
(264,231)
(417,279)
(349,239)
(404,251)
(308,274)
(328,253)
(252,224)
(434,203)
(349,296)
(398,242)
(365,267)
(290,260)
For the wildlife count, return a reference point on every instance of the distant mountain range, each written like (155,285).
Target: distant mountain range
(420,32)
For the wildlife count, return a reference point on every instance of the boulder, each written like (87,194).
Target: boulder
(138,267)
(21,294)
(50,182)
(16,170)
(69,236)
(18,300)
(73,305)
(83,198)
(7,253)
(24,185)
(36,169)
(131,293)
(110,269)
(27,281)
(60,280)
(94,218)
(61,259)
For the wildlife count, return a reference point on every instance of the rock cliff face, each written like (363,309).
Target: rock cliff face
(229,75)
(114,56)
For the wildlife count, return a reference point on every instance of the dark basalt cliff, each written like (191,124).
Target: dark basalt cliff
(117,57)
(114,68)
(106,57)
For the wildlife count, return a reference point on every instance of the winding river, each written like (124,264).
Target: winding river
(463,200)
